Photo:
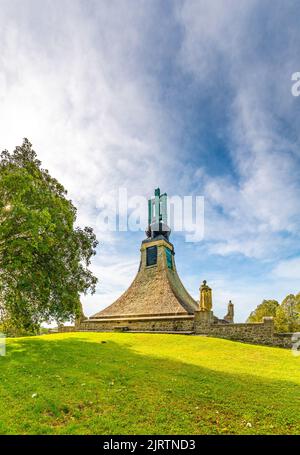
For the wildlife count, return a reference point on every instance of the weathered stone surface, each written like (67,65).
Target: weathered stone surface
(229,317)
(148,324)
(256,333)
(156,290)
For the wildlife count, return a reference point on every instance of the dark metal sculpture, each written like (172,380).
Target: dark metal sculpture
(158,216)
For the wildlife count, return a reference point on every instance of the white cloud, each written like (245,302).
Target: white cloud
(222,50)
(72,80)
(81,80)
(115,273)
(82,100)
(289,269)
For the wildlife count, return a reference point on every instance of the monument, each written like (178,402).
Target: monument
(156,300)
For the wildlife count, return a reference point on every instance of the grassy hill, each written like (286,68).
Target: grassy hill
(109,383)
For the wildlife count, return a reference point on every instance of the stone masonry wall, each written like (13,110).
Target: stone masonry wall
(256,333)
(253,333)
(172,324)
(66,328)
(283,340)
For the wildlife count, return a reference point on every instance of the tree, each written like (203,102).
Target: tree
(43,259)
(266,308)
(288,314)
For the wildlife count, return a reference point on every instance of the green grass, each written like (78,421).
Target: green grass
(110,383)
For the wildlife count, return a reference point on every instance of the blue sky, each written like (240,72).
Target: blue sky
(191,96)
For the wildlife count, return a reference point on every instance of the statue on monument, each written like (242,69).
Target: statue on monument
(205,297)
(230,312)
(158,216)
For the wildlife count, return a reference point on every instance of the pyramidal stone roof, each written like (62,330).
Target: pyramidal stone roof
(156,289)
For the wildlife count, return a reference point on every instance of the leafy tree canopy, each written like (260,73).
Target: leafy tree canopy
(44,259)
(286,315)
(266,308)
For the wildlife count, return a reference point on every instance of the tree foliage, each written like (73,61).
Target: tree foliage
(266,308)
(286,315)
(43,259)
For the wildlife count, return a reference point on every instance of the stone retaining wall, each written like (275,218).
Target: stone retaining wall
(65,328)
(255,333)
(260,333)
(172,324)
(283,340)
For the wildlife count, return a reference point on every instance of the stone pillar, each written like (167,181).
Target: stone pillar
(204,316)
(230,312)
(269,325)
(202,321)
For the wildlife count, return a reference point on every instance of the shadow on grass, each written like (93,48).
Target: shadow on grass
(79,385)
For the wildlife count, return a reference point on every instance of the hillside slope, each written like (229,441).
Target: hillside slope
(110,383)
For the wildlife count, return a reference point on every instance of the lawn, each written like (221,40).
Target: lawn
(111,383)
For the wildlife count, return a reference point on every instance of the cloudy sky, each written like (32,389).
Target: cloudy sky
(191,96)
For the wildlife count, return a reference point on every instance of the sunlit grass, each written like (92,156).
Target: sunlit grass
(110,383)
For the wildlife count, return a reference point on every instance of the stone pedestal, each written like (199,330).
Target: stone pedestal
(202,321)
